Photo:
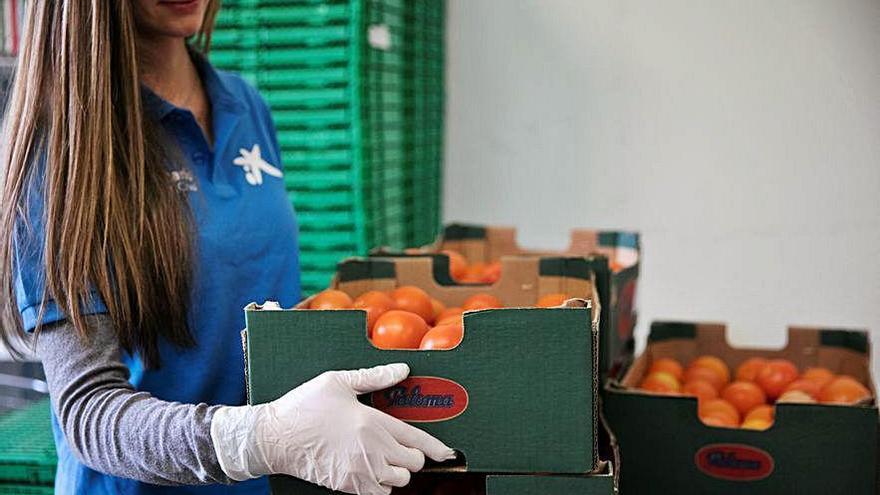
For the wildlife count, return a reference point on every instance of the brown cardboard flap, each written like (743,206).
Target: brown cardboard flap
(518,285)
(574,287)
(500,241)
(584,241)
(358,287)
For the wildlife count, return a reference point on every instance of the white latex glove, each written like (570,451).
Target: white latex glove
(319,432)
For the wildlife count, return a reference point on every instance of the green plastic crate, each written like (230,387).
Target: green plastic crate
(315,280)
(27,448)
(321,200)
(307,119)
(238,58)
(322,261)
(424,100)
(351,120)
(315,139)
(26,490)
(281,15)
(317,160)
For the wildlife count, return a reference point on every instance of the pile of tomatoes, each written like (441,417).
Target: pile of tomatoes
(746,402)
(471,273)
(408,318)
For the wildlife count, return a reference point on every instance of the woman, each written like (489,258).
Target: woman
(142,209)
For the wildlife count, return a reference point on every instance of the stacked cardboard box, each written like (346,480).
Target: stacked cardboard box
(613,257)
(508,427)
(809,449)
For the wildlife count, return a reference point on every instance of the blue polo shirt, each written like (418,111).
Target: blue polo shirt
(246,250)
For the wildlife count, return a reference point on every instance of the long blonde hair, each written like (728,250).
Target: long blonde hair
(76,131)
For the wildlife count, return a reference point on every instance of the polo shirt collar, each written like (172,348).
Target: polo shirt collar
(218,92)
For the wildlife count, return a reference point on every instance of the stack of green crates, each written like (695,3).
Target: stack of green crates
(27,451)
(337,76)
(424,110)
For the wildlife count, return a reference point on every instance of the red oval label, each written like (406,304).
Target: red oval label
(422,399)
(733,461)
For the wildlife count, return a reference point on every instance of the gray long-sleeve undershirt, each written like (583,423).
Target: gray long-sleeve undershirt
(111,427)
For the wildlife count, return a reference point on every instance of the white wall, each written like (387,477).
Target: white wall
(742,137)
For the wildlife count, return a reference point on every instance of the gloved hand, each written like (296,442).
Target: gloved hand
(319,432)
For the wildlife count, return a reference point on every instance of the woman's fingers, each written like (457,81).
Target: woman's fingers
(393,476)
(407,458)
(410,436)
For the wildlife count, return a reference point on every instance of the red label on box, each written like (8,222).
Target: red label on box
(733,461)
(421,399)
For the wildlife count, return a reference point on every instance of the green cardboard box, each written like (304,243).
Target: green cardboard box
(810,449)
(614,257)
(522,383)
(601,483)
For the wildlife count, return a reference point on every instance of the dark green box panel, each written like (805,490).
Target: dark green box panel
(528,374)
(469,484)
(545,485)
(815,449)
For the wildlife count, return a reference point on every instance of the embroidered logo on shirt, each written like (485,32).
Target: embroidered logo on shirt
(184,181)
(254,166)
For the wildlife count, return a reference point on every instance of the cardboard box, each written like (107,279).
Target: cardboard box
(523,381)
(601,483)
(810,449)
(614,257)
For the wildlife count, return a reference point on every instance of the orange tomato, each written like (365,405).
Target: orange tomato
(375,303)
(552,300)
(763,412)
(719,407)
(744,396)
(756,424)
(457,263)
(481,301)
(442,337)
(414,300)
(668,365)
(492,273)
(715,364)
(775,376)
(661,383)
(701,389)
(809,387)
(796,397)
(437,307)
(707,374)
(449,315)
(819,375)
(331,299)
(474,274)
(748,370)
(470,279)
(844,390)
(718,420)
(398,329)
